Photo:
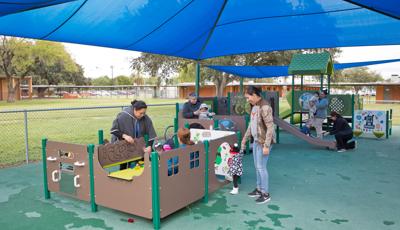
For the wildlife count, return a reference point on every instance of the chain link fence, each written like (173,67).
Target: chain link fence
(21,131)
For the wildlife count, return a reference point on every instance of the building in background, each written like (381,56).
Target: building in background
(23,91)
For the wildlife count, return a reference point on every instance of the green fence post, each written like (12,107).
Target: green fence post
(186,125)
(91,174)
(155,188)
(352,111)
(292,107)
(44,160)
(229,103)
(206,169)
(176,124)
(100,134)
(247,119)
(146,139)
(177,110)
(387,124)
(215,105)
(176,143)
(216,124)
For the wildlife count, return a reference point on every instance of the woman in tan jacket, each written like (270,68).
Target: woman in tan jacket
(261,128)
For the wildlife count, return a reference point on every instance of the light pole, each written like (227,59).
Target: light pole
(112,75)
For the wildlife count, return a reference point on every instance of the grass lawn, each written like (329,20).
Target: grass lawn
(75,126)
(81,126)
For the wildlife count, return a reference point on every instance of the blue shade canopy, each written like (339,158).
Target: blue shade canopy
(16,6)
(199,29)
(282,71)
(387,7)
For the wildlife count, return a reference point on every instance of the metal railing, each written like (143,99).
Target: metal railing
(22,130)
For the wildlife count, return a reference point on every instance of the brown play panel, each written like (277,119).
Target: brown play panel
(181,177)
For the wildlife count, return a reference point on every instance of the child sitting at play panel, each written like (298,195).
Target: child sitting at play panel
(235,167)
(184,137)
(204,113)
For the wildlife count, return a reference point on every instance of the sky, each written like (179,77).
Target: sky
(97,61)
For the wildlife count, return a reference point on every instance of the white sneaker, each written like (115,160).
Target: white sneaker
(341,150)
(235,191)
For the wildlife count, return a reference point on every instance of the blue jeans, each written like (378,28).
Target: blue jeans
(260,162)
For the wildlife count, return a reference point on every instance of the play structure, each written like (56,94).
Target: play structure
(373,123)
(236,117)
(152,186)
(232,113)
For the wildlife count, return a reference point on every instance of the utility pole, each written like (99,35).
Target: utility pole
(112,75)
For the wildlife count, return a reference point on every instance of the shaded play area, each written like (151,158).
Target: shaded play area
(311,188)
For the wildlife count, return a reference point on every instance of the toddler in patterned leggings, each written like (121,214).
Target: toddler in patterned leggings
(235,167)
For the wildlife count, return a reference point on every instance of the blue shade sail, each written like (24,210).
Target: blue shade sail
(282,71)
(200,29)
(388,7)
(16,6)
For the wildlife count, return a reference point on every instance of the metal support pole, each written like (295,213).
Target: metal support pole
(387,125)
(26,137)
(247,119)
(239,138)
(229,103)
(277,115)
(206,169)
(241,85)
(197,79)
(352,111)
(155,190)
(292,107)
(301,106)
(321,82)
(329,84)
(44,163)
(390,120)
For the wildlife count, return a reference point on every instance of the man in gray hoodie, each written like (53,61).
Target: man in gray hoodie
(132,123)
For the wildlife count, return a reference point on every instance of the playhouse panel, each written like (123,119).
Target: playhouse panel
(130,196)
(181,177)
(68,169)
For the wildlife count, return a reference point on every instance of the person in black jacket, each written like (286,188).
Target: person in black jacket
(132,123)
(342,131)
(191,108)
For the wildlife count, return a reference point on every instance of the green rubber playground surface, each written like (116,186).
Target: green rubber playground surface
(311,188)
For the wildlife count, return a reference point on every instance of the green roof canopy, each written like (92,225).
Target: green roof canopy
(311,64)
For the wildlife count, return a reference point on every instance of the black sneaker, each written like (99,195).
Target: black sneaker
(254,193)
(264,198)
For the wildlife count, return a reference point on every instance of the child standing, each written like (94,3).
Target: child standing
(312,105)
(235,167)
(204,113)
(312,109)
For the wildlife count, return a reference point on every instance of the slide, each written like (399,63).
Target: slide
(295,131)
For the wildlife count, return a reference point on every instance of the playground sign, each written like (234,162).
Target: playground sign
(370,122)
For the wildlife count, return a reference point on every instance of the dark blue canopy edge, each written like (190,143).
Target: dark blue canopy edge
(389,7)
(200,29)
(17,6)
(282,71)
